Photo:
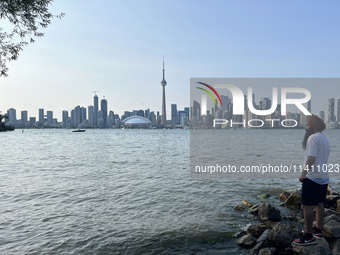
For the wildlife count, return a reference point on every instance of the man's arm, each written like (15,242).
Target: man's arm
(310,162)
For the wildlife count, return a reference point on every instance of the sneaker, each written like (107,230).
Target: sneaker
(316,234)
(305,240)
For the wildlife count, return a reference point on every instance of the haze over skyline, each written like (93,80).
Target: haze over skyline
(117,48)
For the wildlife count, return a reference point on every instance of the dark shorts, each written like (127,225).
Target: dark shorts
(313,193)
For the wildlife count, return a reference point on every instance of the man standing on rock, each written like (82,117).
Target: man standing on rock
(314,178)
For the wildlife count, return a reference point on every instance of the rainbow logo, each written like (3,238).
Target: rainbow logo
(213,90)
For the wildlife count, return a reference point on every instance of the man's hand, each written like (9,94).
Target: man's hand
(301,178)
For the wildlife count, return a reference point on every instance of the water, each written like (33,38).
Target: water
(122,192)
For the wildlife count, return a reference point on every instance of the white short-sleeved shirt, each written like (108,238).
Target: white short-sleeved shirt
(318,147)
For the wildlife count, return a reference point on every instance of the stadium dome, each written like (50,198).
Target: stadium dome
(136,120)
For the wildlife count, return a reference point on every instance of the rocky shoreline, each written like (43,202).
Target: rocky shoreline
(273,232)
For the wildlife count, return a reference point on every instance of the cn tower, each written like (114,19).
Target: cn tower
(163,83)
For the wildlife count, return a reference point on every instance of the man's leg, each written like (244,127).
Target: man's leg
(319,215)
(308,214)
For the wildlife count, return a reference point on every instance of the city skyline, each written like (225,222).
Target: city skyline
(81,113)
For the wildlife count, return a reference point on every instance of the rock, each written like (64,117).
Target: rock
(239,208)
(329,212)
(267,251)
(268,212)
(288,251)
(331,200)
(270,224)
(335,246)
(338,206)
(329,191)
(256,230)
(282,204)
(294,199)
(284,196)
(320,248)
(247,241)
(333,197)
(254,209)
(332,228)
(246,204)
(264,195)
(331,217)
(299,227)
(300,219)
(256,248)
(264,236)
(282,236)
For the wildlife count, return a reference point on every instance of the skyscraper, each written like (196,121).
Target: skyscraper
(95,113)
(322,115)
(266,103)
(65,116)
(90,115)
(331,116)
(163,83)
(196,110)
(77,116)
(82,114)
(225,102)
(186,109)
(103,108)
(24,117)
(173,114)
(12,116)
(147,114)
(49,117)
(181,114)
(41,116)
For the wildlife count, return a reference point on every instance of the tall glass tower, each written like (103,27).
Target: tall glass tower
(163,83)
(95,113)
(103,108)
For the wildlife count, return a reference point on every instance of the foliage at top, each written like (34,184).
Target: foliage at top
(27,18)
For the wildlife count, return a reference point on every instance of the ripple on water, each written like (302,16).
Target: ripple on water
(103,195)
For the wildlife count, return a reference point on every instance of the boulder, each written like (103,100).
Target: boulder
(294,199)
(329,212)
(335,246)
(332,228)
(267,251)
(256,248)
(239,208)
(335,217)
(264,195)
(256,230)
(338,206)
(284,196)
(247,241)
(246,204)
(268,212)
(282,236)
(254,209)
(320,248)
(264,236)
(331,200)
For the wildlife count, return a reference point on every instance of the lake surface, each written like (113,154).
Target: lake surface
(128,192)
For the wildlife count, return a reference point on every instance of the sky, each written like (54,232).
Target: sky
(117,48)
